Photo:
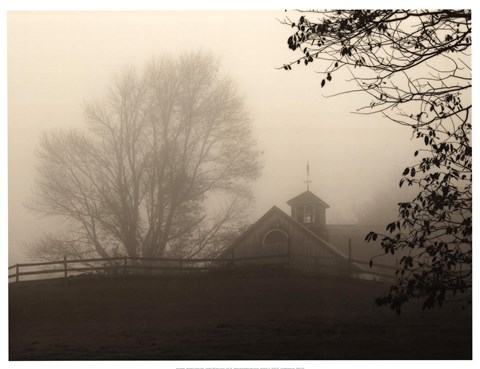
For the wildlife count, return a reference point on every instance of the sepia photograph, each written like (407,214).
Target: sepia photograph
(281,185)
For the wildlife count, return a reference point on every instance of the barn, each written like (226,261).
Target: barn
(302,236)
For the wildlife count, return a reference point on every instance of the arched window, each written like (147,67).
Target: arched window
(275,236)
(275,241)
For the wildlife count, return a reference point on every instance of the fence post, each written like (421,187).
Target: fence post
(349,257)
(124,266)
(17,271)
(65,269)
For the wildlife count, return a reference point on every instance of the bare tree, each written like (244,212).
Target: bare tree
(158,148)
(49,247)
(415,65)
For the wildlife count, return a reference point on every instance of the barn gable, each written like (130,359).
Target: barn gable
(276,233)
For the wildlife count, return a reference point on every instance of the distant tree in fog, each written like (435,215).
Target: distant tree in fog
(380,209)
(157,149)
(416,67)
(383,206)
(53,246)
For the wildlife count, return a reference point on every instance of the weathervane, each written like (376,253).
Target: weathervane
(308,181)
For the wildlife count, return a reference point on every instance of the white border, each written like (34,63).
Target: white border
(52,5)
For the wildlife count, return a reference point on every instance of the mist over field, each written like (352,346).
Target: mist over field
(59,61)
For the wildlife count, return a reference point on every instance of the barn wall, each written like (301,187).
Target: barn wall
(310,254)
(339,236)
(305,251)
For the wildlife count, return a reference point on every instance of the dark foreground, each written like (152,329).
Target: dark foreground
(226,316)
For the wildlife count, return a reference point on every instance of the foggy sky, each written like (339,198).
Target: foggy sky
(57,61)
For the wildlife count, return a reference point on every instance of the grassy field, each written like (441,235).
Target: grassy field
(226,316)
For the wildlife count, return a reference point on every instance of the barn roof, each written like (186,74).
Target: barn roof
(307,197)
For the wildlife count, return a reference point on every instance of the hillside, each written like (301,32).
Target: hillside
(275,315)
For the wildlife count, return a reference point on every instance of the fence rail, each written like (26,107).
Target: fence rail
(122,265)
(383,266)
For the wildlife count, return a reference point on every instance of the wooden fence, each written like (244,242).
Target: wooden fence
(126,265)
